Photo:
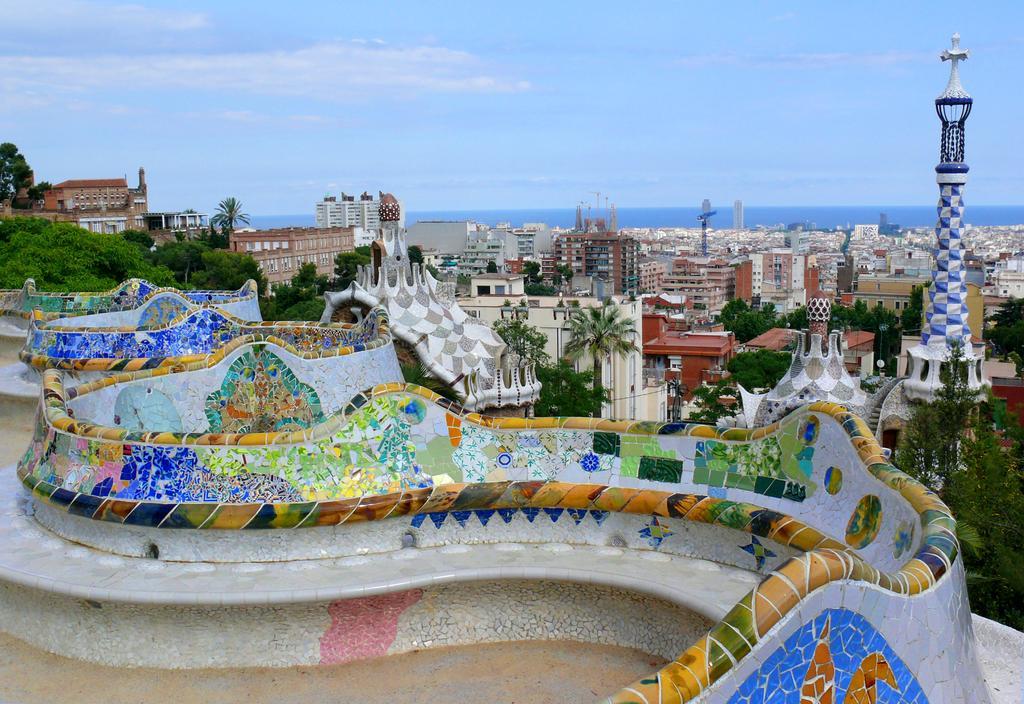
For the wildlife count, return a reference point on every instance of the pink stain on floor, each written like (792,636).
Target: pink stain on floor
(365,627)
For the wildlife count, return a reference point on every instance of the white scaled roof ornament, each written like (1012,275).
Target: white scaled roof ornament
(955,55)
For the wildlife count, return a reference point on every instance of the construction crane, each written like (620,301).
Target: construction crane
(703,217)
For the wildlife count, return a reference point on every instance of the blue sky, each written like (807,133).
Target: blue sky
(466,105)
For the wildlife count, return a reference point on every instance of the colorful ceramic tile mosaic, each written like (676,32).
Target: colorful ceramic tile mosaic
(378,457)
(130,294)
(196,334)
(838,657)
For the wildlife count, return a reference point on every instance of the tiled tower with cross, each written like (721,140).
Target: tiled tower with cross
(946,323)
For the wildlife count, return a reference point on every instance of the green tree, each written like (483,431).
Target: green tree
(746,322)
(492,267)
(599,333)
(708,400)
(912,316)
(346,267)
(567,392)
(758,369)
(523,339)
(228,271)
(184,258)
(65,257)
(138,237)
(14,171)
(1009,312)
(539,290)
(300,299)
(986,496)
(38,191)
(796,319)
(9,226)
(415,254)
(419,375)
(531,270)
(229,215)
(930,456)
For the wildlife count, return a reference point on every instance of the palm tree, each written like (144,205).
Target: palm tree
(229,214)
(600,332)
(416,373)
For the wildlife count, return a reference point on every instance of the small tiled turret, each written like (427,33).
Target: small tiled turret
(389,209)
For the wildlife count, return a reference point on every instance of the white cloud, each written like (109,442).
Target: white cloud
(340,71)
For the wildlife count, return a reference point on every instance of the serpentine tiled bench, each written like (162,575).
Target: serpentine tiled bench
(255,460)
(135,302)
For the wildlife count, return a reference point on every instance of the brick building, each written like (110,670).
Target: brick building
(100,204)
(693,358)
(282,251)
(602,255)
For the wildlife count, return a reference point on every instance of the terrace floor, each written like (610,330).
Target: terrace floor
(531,671)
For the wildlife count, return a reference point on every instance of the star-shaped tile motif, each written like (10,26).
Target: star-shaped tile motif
(760,552)
(655,532)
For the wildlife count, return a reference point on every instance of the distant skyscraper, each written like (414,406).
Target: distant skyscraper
(613,225)
(883,221)
(579,218)
(705,207)
(737,215)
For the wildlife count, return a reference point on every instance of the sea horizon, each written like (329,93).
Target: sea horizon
(823,217)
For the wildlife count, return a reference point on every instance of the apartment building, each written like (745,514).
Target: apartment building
(348,211)
(282,251)
(652,274)
(608,256)
(707,282)
(780,276)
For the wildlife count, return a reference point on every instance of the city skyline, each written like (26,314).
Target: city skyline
(480,109)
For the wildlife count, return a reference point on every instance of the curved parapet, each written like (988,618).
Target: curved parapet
(125,303)
(862,591)
(191,336)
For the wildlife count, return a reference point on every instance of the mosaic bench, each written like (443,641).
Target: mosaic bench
(191,334)
(861,595)
(136,295)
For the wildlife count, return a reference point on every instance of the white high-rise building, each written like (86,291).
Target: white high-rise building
(349,211)
(737,215)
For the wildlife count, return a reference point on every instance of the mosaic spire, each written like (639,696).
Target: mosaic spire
(946,316)
(946,322)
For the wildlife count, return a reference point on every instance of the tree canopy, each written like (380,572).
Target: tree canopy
(346,266)
(758,369)
(523,339)
(64,257)
(229,215)
(567,392)
(598,333)
(15,172)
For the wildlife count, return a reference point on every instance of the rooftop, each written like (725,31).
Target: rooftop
(93,183)
(776,339)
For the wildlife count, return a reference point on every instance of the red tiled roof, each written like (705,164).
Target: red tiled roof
(93,183)
(775,339)
(692,344)
(859,338)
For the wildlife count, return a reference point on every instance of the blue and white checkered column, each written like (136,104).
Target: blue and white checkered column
(946,315)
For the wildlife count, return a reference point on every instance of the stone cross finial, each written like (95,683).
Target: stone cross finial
(955,55)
